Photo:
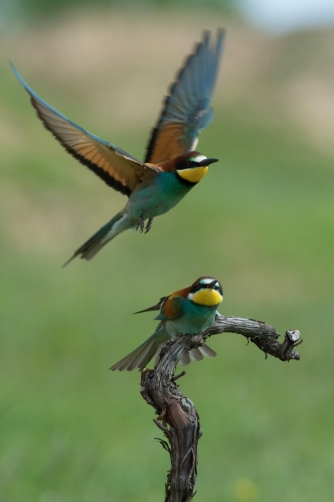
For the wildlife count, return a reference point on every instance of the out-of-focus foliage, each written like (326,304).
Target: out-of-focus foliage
(49,7)
(262,221)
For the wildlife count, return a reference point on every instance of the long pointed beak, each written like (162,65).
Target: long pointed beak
(212,284)
(207,162)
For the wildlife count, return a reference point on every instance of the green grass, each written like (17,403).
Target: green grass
(262,222)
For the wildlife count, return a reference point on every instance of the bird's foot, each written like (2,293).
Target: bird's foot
(141,224)
(148,225)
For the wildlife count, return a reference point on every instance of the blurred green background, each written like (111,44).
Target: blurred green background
(262,222)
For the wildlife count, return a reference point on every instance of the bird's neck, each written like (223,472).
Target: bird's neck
(172,183)
(183,181)
(201,312)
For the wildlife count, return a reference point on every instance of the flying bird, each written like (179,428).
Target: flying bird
(189,311)
(172,166)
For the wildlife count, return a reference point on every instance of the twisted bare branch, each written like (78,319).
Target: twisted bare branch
(177,415)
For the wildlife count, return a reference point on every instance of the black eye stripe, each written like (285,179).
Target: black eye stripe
(187,164)
(201,285)
(206,285)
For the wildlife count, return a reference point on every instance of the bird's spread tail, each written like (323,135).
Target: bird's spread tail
(118,224)
(197,355)
(141,356)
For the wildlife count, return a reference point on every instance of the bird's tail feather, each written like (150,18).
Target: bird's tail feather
(118,224)
(197,355)
(141,356)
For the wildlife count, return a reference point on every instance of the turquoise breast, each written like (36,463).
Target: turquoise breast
(195,319)
(157,196)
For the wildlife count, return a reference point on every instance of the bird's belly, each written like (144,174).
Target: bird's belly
(154,198)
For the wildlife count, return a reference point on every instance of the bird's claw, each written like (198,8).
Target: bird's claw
(148,225)
(141,224)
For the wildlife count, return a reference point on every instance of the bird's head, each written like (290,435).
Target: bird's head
(206,291)
(191,167)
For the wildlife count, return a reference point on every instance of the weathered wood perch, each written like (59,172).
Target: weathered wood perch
(177,415)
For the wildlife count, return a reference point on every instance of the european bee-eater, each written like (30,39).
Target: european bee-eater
(189,311)
(171,167)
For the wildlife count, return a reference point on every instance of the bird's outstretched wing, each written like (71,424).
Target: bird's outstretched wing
(187,109)
(113,165)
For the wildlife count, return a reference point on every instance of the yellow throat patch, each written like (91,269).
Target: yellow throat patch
(193,174)
(207,297)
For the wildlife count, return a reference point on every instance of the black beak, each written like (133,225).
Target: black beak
(207,162)
(212,284)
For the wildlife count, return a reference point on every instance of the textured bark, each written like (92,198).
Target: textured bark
(177,415)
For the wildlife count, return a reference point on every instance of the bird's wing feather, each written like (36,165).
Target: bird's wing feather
(113,165)
(155,307)
(187,109)
(172,306)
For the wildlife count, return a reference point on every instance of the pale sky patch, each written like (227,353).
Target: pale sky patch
(279,16)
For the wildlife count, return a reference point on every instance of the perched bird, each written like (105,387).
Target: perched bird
(189,311)
(171,167)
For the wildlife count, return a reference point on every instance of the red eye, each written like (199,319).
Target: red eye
(189,163)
